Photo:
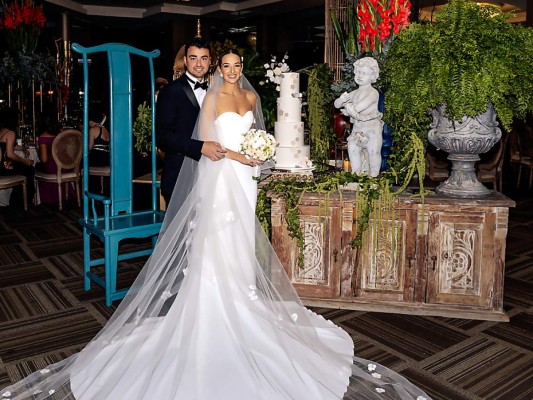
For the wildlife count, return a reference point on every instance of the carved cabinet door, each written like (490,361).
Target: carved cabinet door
(320,275)
(460,258)
(385,266)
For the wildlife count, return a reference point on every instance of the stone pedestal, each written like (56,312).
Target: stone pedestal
(464,140)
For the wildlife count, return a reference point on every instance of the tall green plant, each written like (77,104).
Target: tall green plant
(320,106)
(142,128)
(346,37)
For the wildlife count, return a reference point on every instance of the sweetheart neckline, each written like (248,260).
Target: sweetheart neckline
(234,112)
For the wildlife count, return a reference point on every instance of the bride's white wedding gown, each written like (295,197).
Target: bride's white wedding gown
(218,340)
(218,318)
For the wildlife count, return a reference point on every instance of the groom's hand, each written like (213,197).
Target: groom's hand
(213,150)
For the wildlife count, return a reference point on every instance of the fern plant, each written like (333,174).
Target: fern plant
(467,59)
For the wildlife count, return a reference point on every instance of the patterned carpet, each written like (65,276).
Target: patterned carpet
(45,315)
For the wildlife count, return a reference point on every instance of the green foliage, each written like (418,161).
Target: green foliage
(339,30)
(372,193)
(320,111)
(26,67)
(142,128)
(470,57)
(347,38)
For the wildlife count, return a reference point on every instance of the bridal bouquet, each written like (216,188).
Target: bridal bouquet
(259,144)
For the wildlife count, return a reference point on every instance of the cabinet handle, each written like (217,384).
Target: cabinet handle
(409,260)
(434,258)
(335,252)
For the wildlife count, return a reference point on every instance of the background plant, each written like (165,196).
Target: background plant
(142,128)
(347,36)
(470,57)
(320,113)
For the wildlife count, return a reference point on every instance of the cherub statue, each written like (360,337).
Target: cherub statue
(361,105)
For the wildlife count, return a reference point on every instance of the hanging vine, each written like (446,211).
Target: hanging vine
(374,196)
(320,112)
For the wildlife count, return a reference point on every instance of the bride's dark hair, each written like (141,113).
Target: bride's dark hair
(226,52)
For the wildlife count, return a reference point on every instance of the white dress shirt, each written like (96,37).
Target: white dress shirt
(198,93)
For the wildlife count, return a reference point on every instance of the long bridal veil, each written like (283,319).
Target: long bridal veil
(213,286)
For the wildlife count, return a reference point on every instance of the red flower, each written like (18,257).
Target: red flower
(379,20)
(22,15)
(22,21)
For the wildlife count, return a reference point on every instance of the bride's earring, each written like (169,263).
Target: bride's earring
(221,75)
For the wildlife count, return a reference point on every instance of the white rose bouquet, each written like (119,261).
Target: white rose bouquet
(259,144)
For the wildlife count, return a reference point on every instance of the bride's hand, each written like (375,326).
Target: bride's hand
(253,162)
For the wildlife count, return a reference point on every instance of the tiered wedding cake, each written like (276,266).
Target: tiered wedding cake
(289,128)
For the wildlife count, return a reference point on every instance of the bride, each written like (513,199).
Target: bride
(212,315)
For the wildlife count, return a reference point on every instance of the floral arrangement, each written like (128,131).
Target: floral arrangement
(22,21)
(275,70)
(259,144)
(379,21)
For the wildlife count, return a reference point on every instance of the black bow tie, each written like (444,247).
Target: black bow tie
(197,84)
(202,85)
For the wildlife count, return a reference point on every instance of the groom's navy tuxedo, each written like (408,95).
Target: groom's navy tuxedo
(176,113)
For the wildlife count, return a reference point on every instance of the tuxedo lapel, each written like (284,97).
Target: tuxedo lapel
(189,92)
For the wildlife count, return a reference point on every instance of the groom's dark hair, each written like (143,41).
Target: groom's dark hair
(197,42)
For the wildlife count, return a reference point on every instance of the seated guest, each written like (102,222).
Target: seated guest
(98,140)
(98,146)
(159,84)
(13,164)
(48,130)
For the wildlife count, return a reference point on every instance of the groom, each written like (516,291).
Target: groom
(178,105)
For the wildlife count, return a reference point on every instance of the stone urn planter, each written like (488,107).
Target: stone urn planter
(464,140)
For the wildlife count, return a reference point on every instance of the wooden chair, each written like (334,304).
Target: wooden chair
(11,181)
(525,142)
(101,172)
(66,152)
(513,148)
(437,168)
(111,218)
(490,168)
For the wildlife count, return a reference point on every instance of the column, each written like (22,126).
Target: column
(63,67)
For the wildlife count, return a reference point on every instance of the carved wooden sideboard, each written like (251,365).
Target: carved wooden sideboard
(445,257)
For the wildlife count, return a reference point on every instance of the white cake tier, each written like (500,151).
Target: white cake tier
(290,85)
(289,109)
(293,157)
(289,134)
